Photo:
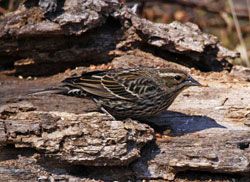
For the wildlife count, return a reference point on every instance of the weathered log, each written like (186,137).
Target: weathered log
(87,139)
(241,72)
(207,132)
(217,150)
(210,133)
(55,137)
(80,29)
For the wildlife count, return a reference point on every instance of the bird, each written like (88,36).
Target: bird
(135,93)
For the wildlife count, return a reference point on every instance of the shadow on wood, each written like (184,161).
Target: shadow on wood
(181,124)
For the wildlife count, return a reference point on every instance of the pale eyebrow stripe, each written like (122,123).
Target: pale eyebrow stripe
(169,74)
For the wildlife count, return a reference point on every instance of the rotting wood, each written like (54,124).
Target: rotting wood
(73,34)
(54,137)
(205,133)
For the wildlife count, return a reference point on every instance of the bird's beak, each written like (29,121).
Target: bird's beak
(192,82)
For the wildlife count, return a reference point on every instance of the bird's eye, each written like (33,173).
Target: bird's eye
(177,77)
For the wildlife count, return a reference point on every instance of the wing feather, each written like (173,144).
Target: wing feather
(116,88)
(89,83)
(127,85)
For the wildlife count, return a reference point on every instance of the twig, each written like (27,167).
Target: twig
(239,33)
(11,5)
(248,8)
(224,101)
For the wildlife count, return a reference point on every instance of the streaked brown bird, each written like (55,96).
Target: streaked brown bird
(129,93)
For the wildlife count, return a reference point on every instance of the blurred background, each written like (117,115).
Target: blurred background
(229,20)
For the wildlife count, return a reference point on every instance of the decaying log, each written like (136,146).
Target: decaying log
(80,29)
(241,72)
(85,139)
(217,150)
(207,132)
(55,137)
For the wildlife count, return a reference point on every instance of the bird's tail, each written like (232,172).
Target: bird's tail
(51,90)
(63,89)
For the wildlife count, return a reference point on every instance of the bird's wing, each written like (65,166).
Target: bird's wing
(138,83)
(127,85)
(100,84)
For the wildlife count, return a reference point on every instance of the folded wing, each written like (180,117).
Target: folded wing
(127,85)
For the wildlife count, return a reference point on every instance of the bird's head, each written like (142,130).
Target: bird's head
(177,79)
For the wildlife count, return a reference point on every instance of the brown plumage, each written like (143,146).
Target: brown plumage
(130,93)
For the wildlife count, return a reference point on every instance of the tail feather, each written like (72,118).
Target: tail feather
(64,90)
(51,90)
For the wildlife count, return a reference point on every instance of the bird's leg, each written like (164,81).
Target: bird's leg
(104,110)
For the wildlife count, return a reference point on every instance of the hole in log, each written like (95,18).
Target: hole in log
(243,145)
(10,152)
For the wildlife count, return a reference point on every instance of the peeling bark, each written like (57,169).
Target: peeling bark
(80,29)
(55,137)
(221,151)
(206,133)
(87,139)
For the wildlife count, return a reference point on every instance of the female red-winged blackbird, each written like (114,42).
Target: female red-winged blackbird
(129,93)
